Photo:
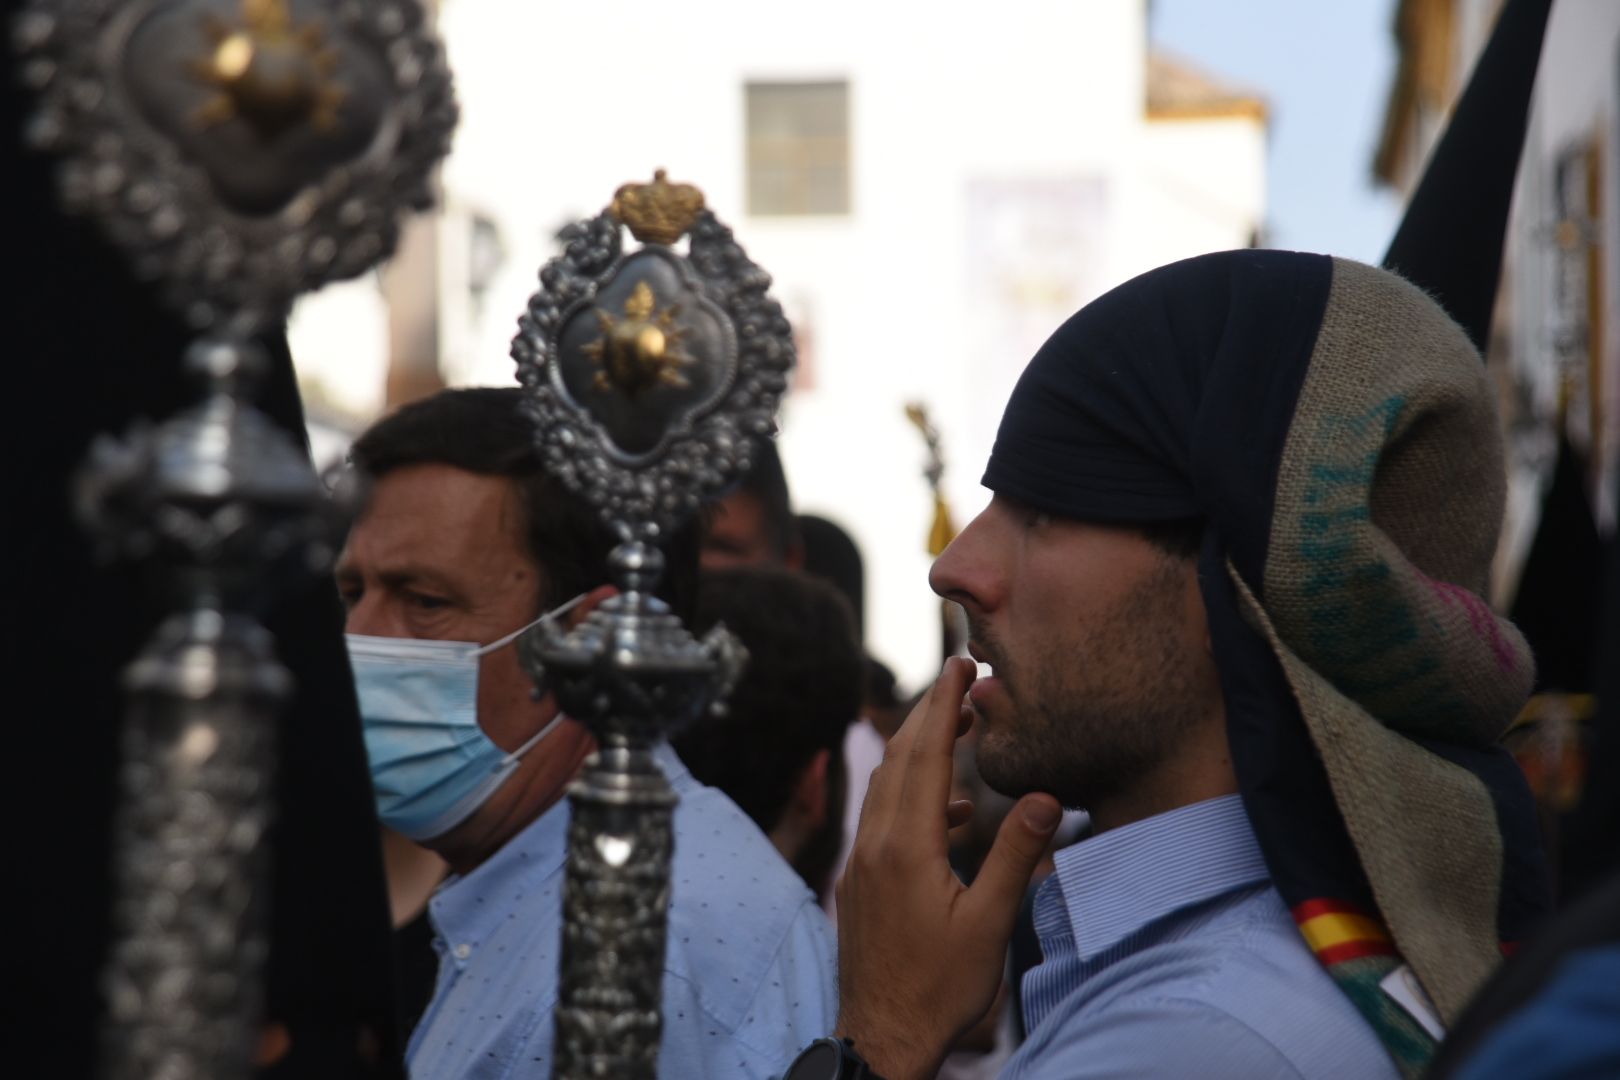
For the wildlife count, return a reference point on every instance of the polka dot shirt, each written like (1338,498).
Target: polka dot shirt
(749,972)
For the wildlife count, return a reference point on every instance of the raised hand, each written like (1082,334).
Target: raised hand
(920,955)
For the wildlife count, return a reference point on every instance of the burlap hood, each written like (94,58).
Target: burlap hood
(1389,501)
(1337,431)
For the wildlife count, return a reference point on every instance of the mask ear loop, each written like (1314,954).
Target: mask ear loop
(516,755)
(536,673)
(562,609)
(501,643)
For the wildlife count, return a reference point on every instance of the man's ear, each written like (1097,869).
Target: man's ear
(1196,611)
(810,791)
(589,604)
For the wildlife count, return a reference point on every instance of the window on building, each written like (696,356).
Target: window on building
(798,148)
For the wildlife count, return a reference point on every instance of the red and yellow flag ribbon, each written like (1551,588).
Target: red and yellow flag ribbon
(1337,931)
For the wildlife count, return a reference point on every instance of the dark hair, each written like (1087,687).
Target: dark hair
(1181,537)
(831,554)
(882,689)
(767,483)
(799,693)
(485,430)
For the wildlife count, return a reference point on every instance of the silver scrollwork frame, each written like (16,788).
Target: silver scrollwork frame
(225,269)
(643,496)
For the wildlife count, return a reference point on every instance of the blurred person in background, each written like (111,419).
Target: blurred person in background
(831,554)
(465,542)
(885,708)
(754,524)
(776,747)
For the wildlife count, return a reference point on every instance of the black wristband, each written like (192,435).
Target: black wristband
(830,1059)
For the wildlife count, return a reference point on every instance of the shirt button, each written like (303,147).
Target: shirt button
(463,951)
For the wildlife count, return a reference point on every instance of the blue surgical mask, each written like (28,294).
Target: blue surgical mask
(432,766)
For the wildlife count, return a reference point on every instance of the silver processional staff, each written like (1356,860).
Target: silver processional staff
(238,152)
(651,374)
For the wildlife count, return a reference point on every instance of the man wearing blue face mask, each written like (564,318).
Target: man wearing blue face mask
(463,543)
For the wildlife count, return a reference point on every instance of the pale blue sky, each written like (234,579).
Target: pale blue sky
(1324,66)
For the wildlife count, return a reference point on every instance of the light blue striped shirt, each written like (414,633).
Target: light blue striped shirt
(749,972)
(1167,953)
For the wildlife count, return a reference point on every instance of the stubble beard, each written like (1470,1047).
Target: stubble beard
(1089,717)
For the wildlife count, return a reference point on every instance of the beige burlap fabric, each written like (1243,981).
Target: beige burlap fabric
(1388,506)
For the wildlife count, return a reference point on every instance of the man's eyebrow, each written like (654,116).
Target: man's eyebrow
(400,574)
(411,574)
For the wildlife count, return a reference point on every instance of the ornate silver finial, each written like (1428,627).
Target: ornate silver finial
(650,375)
(238,152)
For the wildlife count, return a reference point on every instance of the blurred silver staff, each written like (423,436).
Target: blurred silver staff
(238,153)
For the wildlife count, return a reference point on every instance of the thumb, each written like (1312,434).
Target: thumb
(998,890)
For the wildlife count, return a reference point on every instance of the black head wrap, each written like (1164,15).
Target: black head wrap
(1110,420)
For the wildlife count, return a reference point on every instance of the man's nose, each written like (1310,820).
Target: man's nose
(965,571)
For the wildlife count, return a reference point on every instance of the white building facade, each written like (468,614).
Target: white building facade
(933,189)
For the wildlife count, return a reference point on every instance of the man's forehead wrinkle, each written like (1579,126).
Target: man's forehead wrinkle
(409,573)
(402,540)
(512,522)
(510,515)
(408,550)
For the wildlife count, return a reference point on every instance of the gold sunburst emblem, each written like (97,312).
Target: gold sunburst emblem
(641,350)
(271,73)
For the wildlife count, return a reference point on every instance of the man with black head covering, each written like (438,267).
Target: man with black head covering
(777,747)
(1229,587)
(754,525)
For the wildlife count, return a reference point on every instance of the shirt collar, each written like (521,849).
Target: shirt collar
(675,770)
(1114,884)
(466,909)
